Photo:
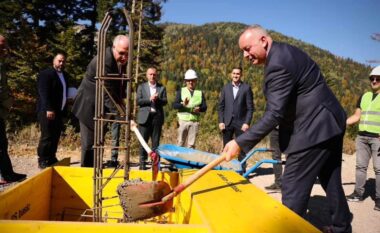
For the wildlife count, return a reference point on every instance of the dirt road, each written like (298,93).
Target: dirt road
(365,218)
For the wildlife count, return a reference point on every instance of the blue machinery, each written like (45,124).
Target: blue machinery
(184,158)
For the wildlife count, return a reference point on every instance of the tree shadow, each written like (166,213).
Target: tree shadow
(318,210)
(261,172)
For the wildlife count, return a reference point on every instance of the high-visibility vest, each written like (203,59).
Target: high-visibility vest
(194,101)
(370,113)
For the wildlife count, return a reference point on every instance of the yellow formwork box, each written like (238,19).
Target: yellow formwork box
(220,201)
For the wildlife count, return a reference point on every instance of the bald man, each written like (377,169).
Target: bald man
(52,86)
(7,175)
(84,106)
(311,124)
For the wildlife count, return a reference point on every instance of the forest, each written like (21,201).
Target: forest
(37,30)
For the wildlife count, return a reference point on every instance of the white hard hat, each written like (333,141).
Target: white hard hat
(375,71)
(190,75)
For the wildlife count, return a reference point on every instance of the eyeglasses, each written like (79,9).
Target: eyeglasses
(377,79)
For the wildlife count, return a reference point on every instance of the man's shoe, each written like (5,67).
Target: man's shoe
(14,177)
(273,186)
(355,197)
(377,204)
(42,164)
(143,166)
(52,161)
(112,163)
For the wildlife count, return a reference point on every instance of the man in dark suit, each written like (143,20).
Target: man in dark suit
(235,108)
(84,105)
(7,175)
(311,124)
(51,103)
(151,97)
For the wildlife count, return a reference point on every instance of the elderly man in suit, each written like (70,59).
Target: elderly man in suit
(235,108)
(151,98)
(7,175)
(51,104)
(311,124)
(84,105)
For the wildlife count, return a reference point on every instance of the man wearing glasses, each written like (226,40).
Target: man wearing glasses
(367,114)
(84,105)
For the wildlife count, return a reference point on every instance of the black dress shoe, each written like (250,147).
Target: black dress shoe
(142,166)
(14,177)
(111,163)
(52,161)
(42,164)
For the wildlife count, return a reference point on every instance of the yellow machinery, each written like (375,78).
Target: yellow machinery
(56,200)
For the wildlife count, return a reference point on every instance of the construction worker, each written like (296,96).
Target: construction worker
(367,113)
(189,102)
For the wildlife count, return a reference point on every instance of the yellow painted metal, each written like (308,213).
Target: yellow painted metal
(28,200)
(227,202)
(220,201)
(7,226)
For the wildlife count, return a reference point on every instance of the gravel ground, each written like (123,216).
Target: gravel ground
(365,218)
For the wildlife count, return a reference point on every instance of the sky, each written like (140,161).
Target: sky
(343,27)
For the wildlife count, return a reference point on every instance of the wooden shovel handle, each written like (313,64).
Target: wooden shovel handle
(140,137)
(178,189)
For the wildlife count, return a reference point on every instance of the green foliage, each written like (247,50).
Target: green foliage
(37,30)
(212,50)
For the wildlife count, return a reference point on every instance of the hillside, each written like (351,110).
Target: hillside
(212,50)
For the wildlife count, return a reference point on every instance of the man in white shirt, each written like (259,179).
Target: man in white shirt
(151,97)
(52,96)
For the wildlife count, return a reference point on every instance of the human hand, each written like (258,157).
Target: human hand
(154,97)
(50,115)
(222,126)
(244,127)
(186,101)
(231,150)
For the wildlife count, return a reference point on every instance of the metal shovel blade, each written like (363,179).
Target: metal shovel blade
(134,193)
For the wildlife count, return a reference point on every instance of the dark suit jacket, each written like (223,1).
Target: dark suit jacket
(84,104)
(50,91)
(241,108)
(298,100)
(144,103)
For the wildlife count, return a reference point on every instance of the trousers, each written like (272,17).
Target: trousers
(301,171)
(367,148)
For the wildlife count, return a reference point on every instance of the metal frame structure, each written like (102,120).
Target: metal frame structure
(101,118)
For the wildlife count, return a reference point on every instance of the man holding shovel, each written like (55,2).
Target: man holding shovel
(84,105)
(311,124)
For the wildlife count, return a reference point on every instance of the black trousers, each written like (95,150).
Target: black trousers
(151,129)
(87,142)
(5,162)
(301,171)
(233,130)
(276,155)
(87,136)
(50,134)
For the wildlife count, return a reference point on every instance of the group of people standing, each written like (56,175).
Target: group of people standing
(304,116)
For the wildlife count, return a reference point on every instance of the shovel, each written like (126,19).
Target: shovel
(155,157)
(146,205)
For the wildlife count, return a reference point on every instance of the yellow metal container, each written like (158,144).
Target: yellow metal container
(56,200)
